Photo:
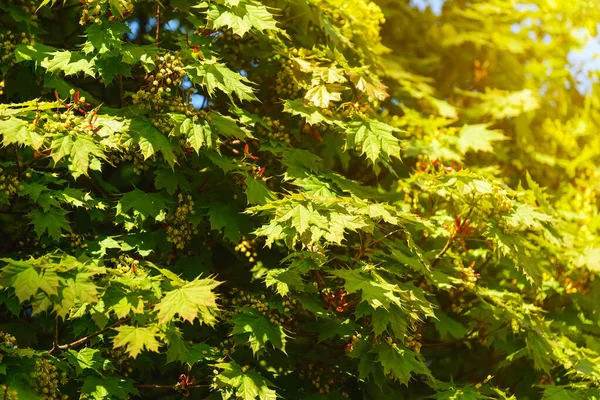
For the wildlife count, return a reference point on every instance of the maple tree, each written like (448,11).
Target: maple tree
(298,199)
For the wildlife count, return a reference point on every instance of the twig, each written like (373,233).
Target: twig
(485,263)
(93,335)
(468,337)
(120,81)
(158,23)
(55,341)
(444,250)
(18,163)
(155,386)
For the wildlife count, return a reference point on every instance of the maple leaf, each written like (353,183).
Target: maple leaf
(108,387)
(369,84)
(229,218)
(144,205)
(193,300)
(151,140)
(323,94)
(79,289)
(242,17)
(375,138)
(248,384)
(70,63)
(213,75)
(258,330)
(53,222)
(311,114)
(135,339)
(377,293)
(81,151)
(284,279)
(198,133)
(400,363)
(105,38)
(227,126)
(256,191)
(478,138)
(167,178)
(15,130)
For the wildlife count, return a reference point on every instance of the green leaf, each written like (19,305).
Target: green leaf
(478,138)
(284,279)
(52,222)
(323,94)
(15,130)
(108,387)
(87,358)
(229,218)
(80,149)
(377,293)
(150,140)
(311,114)
(257,191)
(216,76)
(248,385)
(193,300)
(144,205)
(167,178)
(227,126)
(105,38)
(400,363)
(198,133)
(374,139)
(69,63)
(258,331)
(242,17)
(135,339)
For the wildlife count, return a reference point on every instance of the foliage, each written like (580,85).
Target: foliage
(298,199)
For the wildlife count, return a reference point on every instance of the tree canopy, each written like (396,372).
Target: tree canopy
(298,199)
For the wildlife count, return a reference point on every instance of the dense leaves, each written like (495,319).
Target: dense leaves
(298,199)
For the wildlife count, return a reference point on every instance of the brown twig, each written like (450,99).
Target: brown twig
(468,337)
(17,161)
(444,250)
(55,341)
(121,92)
(93,335)
(158,23)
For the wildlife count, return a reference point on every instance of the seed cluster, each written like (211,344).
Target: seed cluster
(469,276)
(126,264)
(9,184)
(8,340)
(47,379)
(167,76)
(414,341)
(241,299)
(133,154)
(8,394)
(180,228)
(247,248)
(277,131)
(121,360)
(9,40)
(77,240)
(287,85)
(234,47)
(323,378)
